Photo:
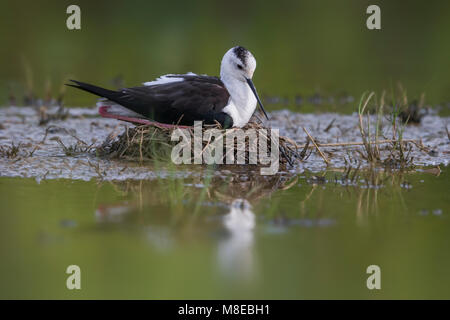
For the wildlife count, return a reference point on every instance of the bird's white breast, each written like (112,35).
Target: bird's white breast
(241,105)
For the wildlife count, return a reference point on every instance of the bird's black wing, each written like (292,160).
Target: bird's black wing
(181,102)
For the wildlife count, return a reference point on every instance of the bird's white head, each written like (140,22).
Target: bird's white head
(236,72)
(238,63)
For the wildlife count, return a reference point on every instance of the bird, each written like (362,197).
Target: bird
(181,99)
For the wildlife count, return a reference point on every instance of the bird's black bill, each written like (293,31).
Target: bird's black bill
(251,85)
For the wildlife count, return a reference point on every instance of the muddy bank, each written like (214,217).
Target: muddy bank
(54,150)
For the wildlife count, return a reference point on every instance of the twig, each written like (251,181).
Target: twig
(357,143)
(317,147)
(330,125)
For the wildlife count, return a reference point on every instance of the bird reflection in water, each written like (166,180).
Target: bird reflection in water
(235,250)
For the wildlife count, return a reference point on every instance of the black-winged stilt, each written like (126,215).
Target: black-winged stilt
(182,99)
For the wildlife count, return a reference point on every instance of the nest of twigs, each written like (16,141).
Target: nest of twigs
(148,142)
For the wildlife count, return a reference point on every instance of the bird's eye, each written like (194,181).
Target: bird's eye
(239,67)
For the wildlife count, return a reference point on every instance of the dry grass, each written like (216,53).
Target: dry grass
(144,143)
(14,151)
(11,151)
(49,95)
(78,148)
(45,117)
(397,151)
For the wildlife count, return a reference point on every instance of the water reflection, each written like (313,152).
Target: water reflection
(177,214)
(227,219)
(178,239)
(160,237)
(112,213)
(235,252)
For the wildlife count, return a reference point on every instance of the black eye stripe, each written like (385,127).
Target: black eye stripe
(241,53)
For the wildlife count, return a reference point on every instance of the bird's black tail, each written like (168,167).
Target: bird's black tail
(134,103)
(101,92)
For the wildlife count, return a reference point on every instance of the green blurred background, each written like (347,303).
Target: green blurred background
(302,47)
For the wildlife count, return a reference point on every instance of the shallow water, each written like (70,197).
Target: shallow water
(152,232)
(178,238)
